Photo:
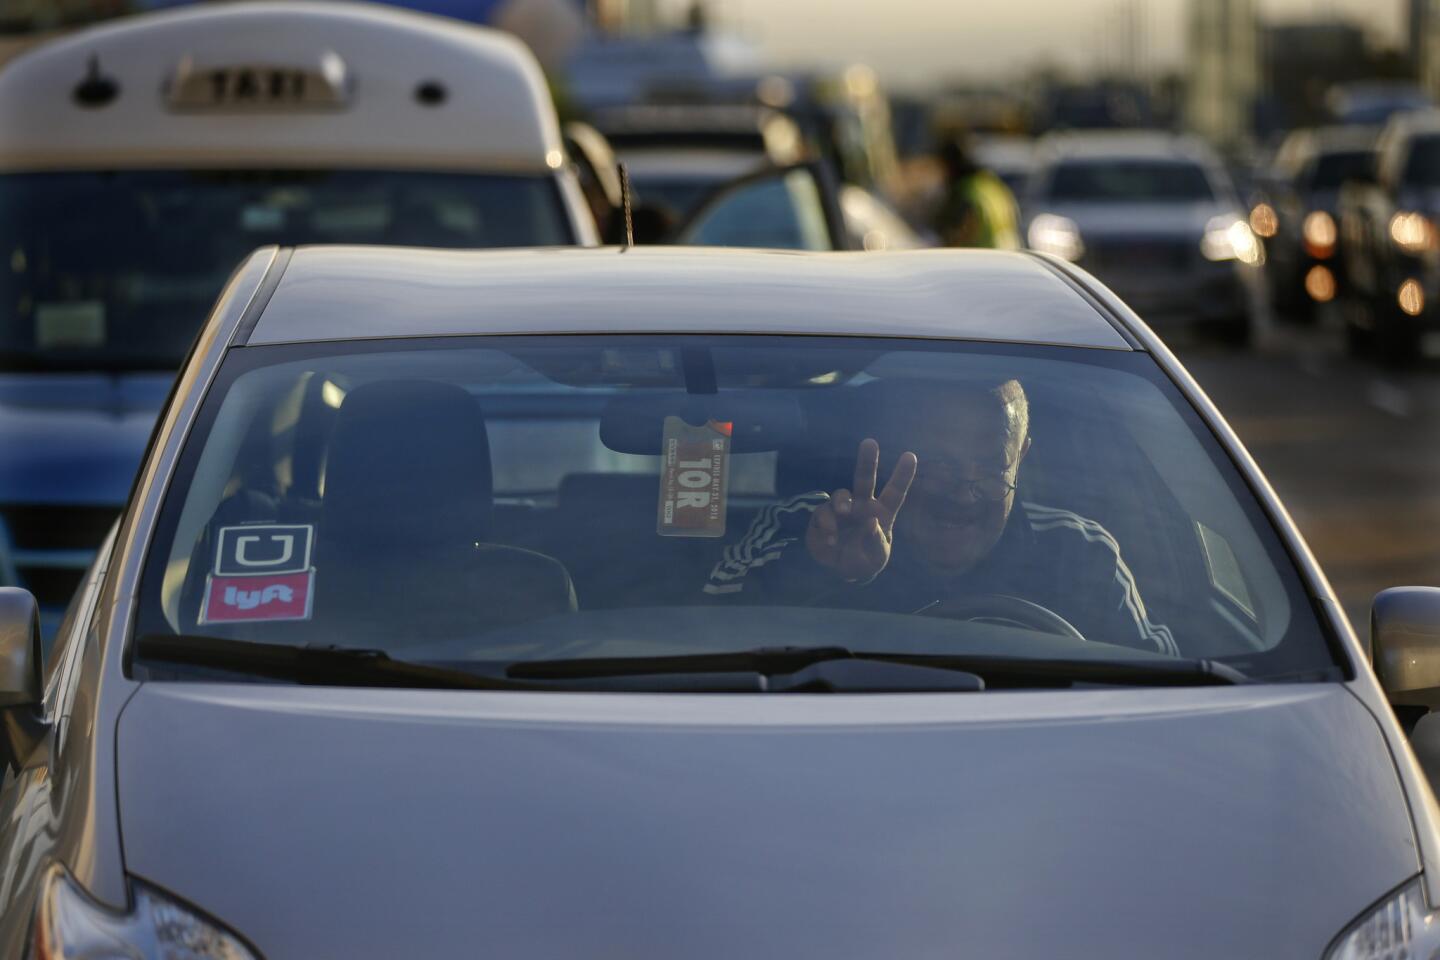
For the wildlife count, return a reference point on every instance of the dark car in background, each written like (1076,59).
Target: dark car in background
(679,154)
(1297,215)
(1388,240)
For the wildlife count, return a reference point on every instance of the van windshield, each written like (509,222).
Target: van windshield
(116,271)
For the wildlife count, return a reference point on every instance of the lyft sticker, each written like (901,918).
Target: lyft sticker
(284,596)
(263,548)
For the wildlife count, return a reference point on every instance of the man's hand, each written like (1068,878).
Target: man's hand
(851,534)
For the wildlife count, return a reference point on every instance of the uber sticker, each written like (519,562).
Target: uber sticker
(283,596)
(694,479)
(263,548)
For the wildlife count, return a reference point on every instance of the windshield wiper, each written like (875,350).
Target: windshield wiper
(325,666)
(779,669)
(992,670)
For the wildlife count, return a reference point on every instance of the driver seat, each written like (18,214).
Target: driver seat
(402,548)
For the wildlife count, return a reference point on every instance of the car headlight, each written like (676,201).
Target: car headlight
(1320,233)
(1056,235)
(1402,927)
(1230,238)
(1412,232)
(69,925)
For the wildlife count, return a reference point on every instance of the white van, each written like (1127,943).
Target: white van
(141,160)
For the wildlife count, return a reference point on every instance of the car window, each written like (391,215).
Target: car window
(116,271)
(574,495)
(1422,166)
(783,212)
(1129,181)
(1329,171)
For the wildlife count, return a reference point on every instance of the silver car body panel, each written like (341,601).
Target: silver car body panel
(1075,824)
(346,293)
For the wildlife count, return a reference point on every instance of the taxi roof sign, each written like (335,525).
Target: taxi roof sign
(259,86)
(280,84)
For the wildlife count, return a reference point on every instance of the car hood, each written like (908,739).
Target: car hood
(363,823)
(1138,220)
(75,438)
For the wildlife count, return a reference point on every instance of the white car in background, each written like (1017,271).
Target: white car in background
(1155,217)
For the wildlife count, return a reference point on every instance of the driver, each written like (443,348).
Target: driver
(943,528)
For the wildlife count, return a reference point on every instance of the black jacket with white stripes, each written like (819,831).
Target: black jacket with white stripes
(1052,557)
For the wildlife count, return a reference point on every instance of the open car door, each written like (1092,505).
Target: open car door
(794,207)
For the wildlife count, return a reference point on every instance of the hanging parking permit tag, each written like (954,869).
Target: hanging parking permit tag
(694,479)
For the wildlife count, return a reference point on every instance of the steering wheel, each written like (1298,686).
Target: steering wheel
(1006,611)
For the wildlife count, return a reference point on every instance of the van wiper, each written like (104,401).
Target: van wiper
(991,670)
(324,666)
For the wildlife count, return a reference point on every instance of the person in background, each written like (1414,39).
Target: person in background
(977,208)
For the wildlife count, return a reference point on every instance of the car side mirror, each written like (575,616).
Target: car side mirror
(1405,645)
(20,650)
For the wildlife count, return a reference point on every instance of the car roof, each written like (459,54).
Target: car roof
(496,113)
(343,293)
(1124,144)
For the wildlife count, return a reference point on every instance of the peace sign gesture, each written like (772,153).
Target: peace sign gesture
(851,534)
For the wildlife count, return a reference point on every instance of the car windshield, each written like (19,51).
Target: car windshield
(1422,167)
(116,271)
(1129,181)
(486,502)
(1330,170)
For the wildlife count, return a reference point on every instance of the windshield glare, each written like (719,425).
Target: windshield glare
(116,271)
(486,501)
(1130,181)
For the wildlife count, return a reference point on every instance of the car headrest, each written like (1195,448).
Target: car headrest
(409,465)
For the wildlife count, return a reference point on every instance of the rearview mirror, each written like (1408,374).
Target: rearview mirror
(1405,645)
(20,650)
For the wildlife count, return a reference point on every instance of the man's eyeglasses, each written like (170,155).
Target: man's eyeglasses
(938,474)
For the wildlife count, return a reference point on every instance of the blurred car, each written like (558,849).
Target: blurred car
(342,685)
(1388,241)
(1298,216)
(141,160)
(1156,218)
(683,158)
(678,154)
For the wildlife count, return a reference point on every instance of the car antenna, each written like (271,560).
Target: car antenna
(626,205)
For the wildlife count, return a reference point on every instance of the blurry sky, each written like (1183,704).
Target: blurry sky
(919,41)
